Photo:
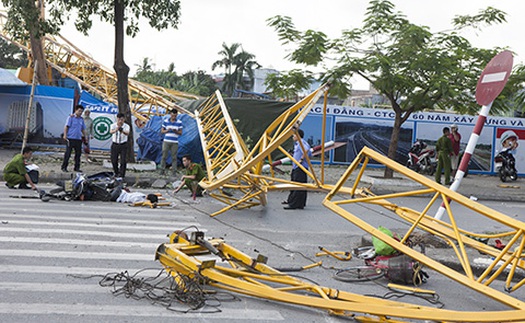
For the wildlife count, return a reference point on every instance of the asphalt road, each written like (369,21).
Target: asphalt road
(53,256)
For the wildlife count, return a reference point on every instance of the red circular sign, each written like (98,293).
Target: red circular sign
(494,77)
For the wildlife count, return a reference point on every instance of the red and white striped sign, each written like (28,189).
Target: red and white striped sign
(494,77)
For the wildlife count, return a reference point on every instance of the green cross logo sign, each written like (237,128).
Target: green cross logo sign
(101,126)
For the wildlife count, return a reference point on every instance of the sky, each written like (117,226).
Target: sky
(206,24)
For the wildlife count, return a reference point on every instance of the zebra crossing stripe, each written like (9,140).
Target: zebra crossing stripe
(134,311)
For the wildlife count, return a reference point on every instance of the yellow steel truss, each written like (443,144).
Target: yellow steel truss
(235,271)
(229,164)
(145,99)
(511,257)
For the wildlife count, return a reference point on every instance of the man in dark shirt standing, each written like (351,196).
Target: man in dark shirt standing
(74,130)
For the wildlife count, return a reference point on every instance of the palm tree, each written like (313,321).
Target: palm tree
(145,66)
(227,61)
(244,63)
(241,62)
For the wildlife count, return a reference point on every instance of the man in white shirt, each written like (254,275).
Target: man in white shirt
(119,147)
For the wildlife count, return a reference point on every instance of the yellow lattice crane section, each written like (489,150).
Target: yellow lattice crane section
(229,164)
(69,60)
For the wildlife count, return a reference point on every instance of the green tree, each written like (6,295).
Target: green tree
(11,57)
(145,66)
(26,21)
(198,83)
(235,64)
(412,67)
(287,85)
(227,61)
(244,64)
(125,16)
(165,78)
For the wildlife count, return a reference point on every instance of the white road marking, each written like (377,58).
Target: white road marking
(99,243)
(125,255)
(64,270)
(135,310)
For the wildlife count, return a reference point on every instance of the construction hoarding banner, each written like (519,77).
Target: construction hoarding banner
(357,127)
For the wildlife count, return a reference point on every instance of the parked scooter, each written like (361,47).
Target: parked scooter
(421,158)
(505,165)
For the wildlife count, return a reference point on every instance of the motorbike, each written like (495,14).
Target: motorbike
(505,165)
(421,158)
(98,187)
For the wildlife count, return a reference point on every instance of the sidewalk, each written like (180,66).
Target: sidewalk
(481,187)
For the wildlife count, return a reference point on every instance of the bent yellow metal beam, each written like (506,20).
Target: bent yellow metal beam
(79,66)
(450,231)
(228,161)
(237,272)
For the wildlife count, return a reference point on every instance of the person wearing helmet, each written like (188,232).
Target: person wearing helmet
(509,141)
(455,138)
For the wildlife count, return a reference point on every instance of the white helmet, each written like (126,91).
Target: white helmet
(508,134)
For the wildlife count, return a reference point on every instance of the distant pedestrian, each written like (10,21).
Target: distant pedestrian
(172,129)
(119,147)
(455,138)
(74,130)
(15,172)
(89,134)
(444,149)
(194,174)
(297,198)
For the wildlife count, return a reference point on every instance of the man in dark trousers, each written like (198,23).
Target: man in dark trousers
(444,149)
(297,198)
(74,130)
(119,147)
(455,138)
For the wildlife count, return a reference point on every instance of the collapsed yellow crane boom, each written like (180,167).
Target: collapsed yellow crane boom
(235,271)
(69,60)
(230,165)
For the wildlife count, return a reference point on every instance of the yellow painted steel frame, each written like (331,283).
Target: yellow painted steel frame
(235,271)
(79,66)
(459,239)
(229,164)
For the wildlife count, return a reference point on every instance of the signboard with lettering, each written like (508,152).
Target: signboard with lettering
(356,127)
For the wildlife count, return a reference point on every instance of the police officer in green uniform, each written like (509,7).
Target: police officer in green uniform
(15,172)
(194,174)
(444,149)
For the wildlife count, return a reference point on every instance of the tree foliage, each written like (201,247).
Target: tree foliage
(11,57)
(160,14)
(125,16)
(26,22)
(236,64)
(407,63)
(288,85)
(195,82)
